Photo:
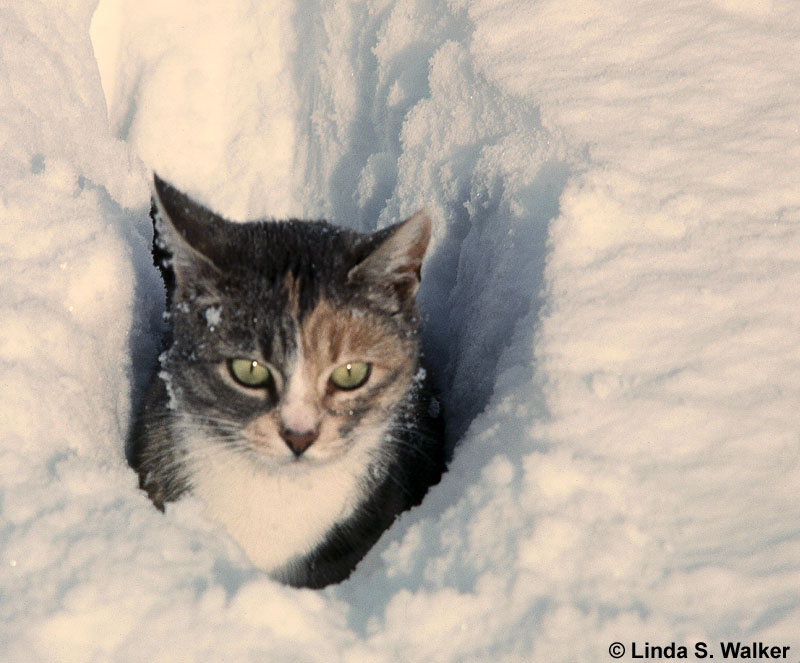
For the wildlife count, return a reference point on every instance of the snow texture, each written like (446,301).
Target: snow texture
(612,301)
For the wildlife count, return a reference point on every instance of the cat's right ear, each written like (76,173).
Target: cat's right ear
(390,275)
(191,234)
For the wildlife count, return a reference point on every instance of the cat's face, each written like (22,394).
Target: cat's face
(294,342)
(335,377)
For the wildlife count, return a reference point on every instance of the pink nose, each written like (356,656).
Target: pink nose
(299,441)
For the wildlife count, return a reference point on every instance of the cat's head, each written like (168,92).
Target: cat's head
(292,341)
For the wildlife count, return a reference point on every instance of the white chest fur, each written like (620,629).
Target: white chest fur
(276,513)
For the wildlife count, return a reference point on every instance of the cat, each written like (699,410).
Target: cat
(291,397)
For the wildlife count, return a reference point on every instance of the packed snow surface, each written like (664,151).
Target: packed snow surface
(612,295)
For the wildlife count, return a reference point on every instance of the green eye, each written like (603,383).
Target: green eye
(249,372)
(350,376)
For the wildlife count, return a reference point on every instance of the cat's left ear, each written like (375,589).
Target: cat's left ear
(393,269)
(190,240)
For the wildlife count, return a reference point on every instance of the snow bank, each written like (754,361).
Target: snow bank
(611,302)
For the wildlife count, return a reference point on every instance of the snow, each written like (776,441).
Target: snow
(611,296)
(213,315)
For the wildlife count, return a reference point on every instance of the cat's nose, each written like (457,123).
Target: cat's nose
(299,441)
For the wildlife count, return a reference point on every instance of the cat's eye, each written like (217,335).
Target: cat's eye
(249,372)
(351,375)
